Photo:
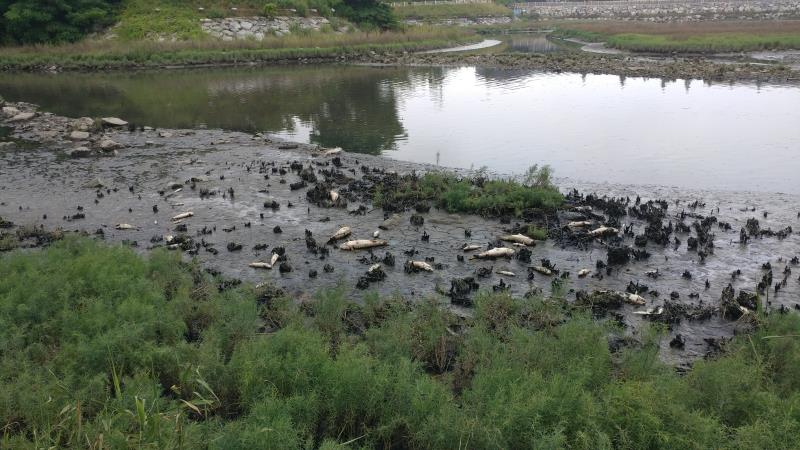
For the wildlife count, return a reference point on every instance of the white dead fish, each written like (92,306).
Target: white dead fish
(517,244)
(602,231)
(374,267)
(497,252)
(333,151)
(583,272)
(341,233)
(518,238)
(260,265)
(359,244)
(506,273)
(376,233)
(651,312)
(184,215)
(582,208)
(169,238)
(634,299)
(542,270)
(470,247)
(421,265)
(125,226)
(579,224)
(334,196)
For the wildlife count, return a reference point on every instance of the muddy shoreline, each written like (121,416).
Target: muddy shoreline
(249,195)
(674,67)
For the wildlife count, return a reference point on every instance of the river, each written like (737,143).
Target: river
(593,128)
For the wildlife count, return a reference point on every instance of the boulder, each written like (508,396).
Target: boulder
(108,145)
(21,117)
(83,124)
(113,122)
(79,135)
(10,111)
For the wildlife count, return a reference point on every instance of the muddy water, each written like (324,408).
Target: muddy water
(43,182)
(740,137)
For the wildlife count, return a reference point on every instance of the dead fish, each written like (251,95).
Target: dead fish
(421,265)
(634,299)
(602,231)
(340,234)
(274,259)
(542,270)
(579,224)
(582,208)
(125,226)
(506,273)
(497,252)
(518,238)
(583,272)
(359,244)
(470,247)
(184,215)
(334,196)
(374,267)
(260,265)
(376,233)
(333,151)
(651,312)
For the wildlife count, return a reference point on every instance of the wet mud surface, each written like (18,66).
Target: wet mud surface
(250,195)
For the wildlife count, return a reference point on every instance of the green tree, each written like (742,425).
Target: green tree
(368,13)
(39,21)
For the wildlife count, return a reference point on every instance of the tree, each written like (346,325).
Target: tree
(39,21)
(368,12)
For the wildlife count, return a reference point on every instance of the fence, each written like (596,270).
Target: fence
(439,2)
(557,3)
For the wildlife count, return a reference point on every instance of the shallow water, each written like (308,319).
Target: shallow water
(738,137)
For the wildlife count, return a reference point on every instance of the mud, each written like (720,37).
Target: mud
(239,189)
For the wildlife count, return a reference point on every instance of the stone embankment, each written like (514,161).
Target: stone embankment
(664,11)
(258,28)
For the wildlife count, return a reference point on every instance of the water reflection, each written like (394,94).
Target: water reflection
(588,127)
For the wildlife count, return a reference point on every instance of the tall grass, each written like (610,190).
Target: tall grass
(434,12)
(693,37)
(105,349)
(109,54)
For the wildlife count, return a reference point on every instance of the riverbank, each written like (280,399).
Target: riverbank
(637,255)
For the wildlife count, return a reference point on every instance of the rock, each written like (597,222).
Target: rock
(10,111)
(113,122)
(108,145)
(21,117)
(79,152)
(79,135)
(164,134)
(83,124)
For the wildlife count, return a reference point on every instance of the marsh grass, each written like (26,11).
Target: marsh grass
(105,349)
(434,12)
(692,37)
(88,55)
(477,195)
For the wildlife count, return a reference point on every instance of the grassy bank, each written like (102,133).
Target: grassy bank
(700,37)
(93,55)
(436,12)
(105,349)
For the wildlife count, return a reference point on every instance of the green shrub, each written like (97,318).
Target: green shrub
(270,11)
(37,21)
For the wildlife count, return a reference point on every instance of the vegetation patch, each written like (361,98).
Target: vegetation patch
(105,349)
(435,12)
(476,195)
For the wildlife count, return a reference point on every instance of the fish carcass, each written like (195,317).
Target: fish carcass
(360,244)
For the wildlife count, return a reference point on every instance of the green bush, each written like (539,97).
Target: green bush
(270,11)
(105,349)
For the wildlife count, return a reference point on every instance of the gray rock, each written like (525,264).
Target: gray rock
(10,111)
(79,135)
(114,122)
(21,117)
(108,145)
